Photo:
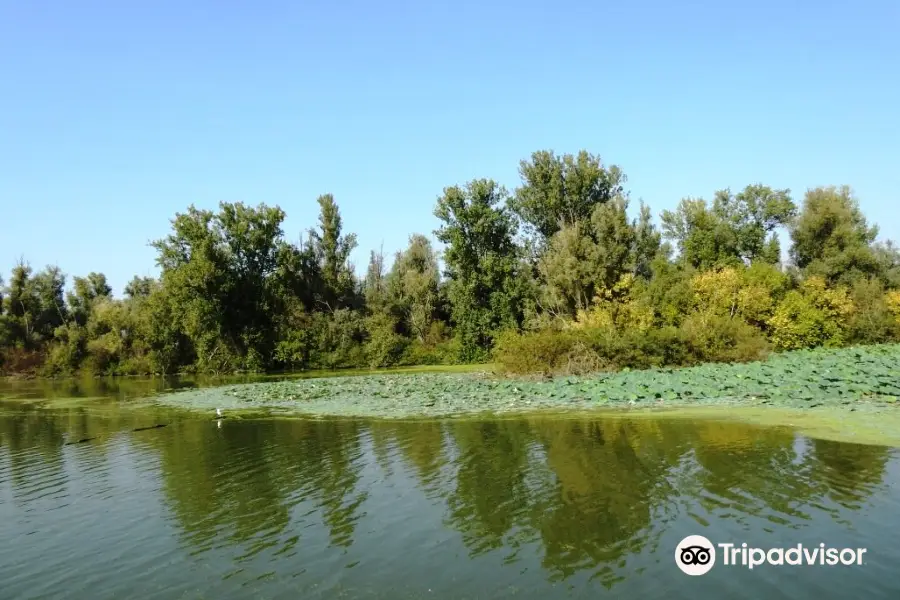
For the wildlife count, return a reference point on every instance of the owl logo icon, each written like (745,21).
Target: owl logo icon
(695,555)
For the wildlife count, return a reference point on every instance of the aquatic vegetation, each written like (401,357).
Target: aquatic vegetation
(852,378)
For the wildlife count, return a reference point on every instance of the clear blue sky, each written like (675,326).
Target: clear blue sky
(116,115)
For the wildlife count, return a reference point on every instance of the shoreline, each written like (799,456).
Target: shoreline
(850,394)
(261,376)
(853,393)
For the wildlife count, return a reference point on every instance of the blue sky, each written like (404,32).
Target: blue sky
(116,115)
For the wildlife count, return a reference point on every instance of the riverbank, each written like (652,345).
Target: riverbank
(254,377)
(863,380)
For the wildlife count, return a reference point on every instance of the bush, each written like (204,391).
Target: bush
(385,346)
(721,339)
(137,364)
(583,350)
(67,352)
(812,316)
(18,361)
(663,346)
(872,321)
(545,351)
(419,353)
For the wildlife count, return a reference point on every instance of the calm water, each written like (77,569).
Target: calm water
(525,508)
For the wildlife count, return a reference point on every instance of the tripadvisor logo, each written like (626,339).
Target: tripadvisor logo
(696,555)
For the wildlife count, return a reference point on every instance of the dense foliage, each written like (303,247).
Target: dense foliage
(555,275)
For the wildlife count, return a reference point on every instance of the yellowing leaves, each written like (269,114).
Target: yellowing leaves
(835,301)
(616,308)
(734,292)
(893,302)
(717,292)
(814,315)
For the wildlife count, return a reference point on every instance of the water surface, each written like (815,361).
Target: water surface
(538,508)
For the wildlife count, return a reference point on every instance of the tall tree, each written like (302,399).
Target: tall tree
(20,303)
(613,242)
(333,250)
(734,229)
(139,287)
(413,285)
(701,238)
(374,285)
(481,263)
(888,256)
(35,304)
(86,291)
(220,269)
(298,274)
(557,191)
(566,272)
(831,237)
(647,243)
(591,256)
(754,214)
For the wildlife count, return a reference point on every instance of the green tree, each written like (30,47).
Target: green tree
(614,239)
(413,285)
(375,284)
(48,286)
(35,306)
(871,321)
(755,214)
(832,239)
(86,291)
(590,257)
(558,191)
(888,257)
(734,229)
(647,243)
(332,249)
(220,269)
(298,276)
(20,302)
(139,287)
(811,316)
(702,239)
(481,263)
(565,270)
(668,293)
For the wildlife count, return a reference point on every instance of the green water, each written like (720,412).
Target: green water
(538,508)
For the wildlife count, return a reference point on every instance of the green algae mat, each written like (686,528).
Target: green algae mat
(853,379)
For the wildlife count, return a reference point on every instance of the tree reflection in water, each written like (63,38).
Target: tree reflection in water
(582,495)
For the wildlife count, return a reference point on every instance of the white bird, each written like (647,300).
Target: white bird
(219,414)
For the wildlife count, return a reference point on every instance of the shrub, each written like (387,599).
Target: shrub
(67,352)
(643,350)
(723,339)
(575,351)
(421,353)
(385,346)
(798,324)
(20,361)
(872,321)
(137,364)
(536,352)
(812,316)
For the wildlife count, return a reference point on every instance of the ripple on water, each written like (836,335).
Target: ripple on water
(470,509)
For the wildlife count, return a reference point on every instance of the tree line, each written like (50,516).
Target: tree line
(555,275)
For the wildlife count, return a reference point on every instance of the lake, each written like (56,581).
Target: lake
(523,507)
